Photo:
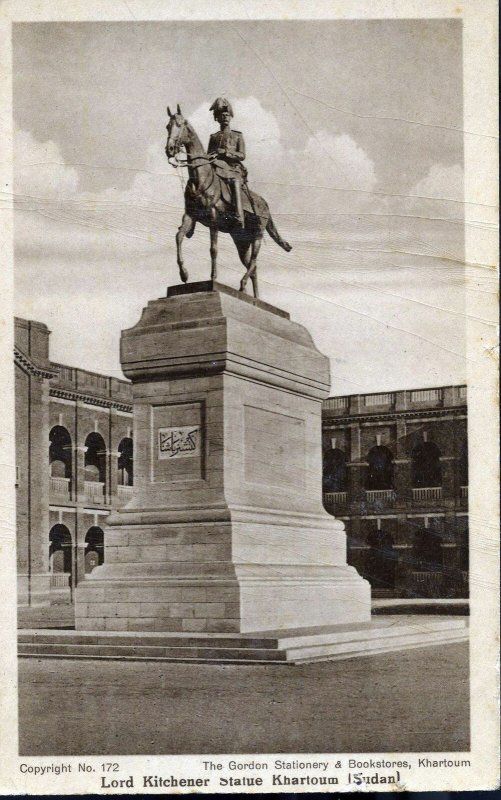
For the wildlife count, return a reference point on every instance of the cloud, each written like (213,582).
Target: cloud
(340,158)
(351,247)
(40,170)
(328,162)
(443,182)
(293,181)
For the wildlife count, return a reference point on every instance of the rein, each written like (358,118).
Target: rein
(188,162)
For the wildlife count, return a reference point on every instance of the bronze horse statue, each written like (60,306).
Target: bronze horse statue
(208,201)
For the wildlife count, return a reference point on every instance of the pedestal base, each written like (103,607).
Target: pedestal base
(226,531)
(223,577)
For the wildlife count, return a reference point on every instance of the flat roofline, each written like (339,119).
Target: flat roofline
(57,364)
(407,389)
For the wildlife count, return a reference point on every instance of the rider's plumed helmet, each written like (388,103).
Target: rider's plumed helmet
(219,105)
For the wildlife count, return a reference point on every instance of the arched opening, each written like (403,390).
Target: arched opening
(427,553)
(60,458)
(381,560)
(335,473)
(60,550)
(58,469)
(125,462)
(94,548)
(426,467)
(95,467)
(380,468)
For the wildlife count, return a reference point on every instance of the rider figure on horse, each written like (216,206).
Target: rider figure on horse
(229,146)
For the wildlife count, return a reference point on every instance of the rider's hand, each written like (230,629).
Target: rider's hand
(221,151)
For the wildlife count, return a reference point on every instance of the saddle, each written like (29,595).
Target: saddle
(225,195)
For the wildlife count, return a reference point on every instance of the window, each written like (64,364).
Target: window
(426,467)
(125,463)
(380,469)
(60,452)
(334,471)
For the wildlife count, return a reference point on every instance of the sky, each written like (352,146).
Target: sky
(354,136)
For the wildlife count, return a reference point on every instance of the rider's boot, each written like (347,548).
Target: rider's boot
(237,200)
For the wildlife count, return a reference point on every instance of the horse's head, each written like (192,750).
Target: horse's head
(178,132)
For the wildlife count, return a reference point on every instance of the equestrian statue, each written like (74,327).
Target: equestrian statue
(217,194)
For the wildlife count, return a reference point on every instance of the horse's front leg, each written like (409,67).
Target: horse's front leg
(213,245)
(184,228)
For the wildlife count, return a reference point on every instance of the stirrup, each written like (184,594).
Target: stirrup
(240,220)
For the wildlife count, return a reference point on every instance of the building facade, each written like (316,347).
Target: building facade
(74,464)
(396,473)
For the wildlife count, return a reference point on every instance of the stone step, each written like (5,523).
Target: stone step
(380,635)
(344,650)
(159,653)
(133,639)
(377,629)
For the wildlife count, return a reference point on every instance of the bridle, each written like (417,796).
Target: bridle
(189,161)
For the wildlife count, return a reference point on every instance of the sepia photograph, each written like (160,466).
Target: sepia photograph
(252,417)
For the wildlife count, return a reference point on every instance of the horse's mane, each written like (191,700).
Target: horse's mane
(192,131)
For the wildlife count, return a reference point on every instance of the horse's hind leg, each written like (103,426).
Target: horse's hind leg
(213,245)
(244,252)
(187,224)
(252,267)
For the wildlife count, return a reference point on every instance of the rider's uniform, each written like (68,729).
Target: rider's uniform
(233,143)
(229,165)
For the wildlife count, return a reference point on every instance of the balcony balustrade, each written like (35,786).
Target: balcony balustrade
(426,584)
(335,403)
(463,492)
(94,491)
(427,493)
(60,580)
(335,498)
(386,496)
(387,399)
(427,396)
(124,493)
(60,486)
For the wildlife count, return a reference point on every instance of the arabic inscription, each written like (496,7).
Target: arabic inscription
(180,442)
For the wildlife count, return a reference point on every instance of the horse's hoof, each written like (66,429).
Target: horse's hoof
(183,274)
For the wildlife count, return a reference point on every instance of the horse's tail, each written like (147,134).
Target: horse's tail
(270,227)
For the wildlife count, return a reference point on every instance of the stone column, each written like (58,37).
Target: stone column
(79,470)
(402,466)
(78,563)
(112,478)
(39,577)
(226,530)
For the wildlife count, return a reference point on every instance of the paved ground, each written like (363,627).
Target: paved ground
(410,701)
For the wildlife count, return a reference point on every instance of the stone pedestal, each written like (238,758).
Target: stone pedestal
(226,531)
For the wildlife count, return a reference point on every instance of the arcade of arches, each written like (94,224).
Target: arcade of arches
(74,465)
(396,472)
(68,561)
